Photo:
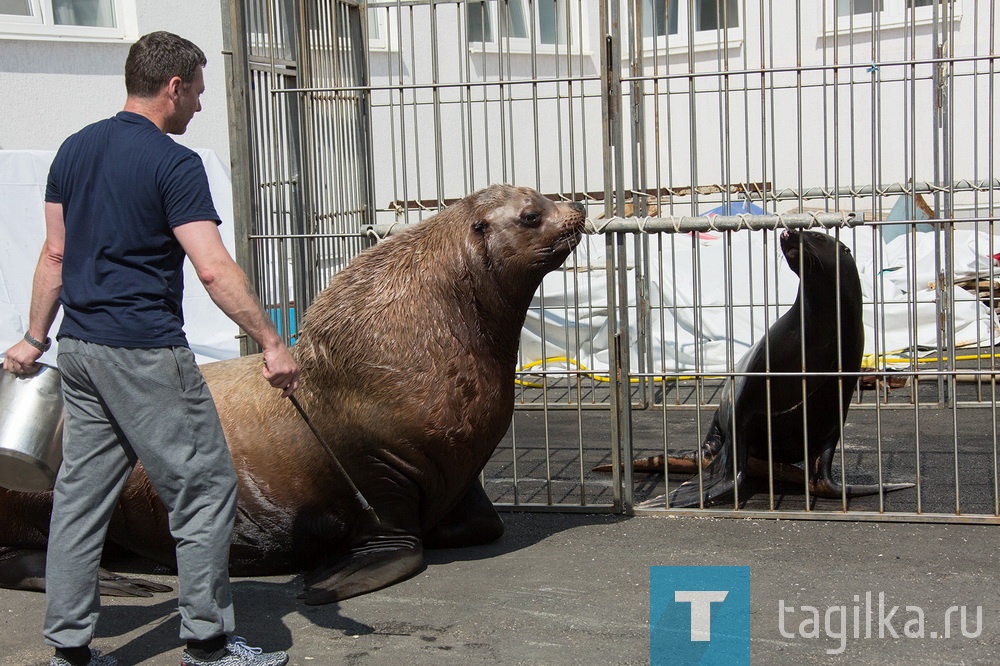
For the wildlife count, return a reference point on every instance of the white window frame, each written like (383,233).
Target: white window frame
(894,14)
(385,39)
(577,31)
(704,40)
(41,25)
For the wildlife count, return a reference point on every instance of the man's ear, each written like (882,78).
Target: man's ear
(174,86)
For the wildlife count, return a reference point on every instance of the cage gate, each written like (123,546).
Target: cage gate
(695,132)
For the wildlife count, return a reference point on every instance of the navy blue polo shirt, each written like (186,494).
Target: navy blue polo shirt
(124,185)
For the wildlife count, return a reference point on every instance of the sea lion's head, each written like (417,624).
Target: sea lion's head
(821,254)
(517,231)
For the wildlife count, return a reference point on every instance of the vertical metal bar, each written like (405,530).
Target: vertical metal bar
(615,243)
(991,203)
(439,144)
(234,49)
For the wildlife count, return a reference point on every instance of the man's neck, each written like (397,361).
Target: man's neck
(151,108)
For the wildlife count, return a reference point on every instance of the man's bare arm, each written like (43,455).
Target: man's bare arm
(22,358)
(230,289)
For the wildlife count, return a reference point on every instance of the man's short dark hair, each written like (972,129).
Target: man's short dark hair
(158,57)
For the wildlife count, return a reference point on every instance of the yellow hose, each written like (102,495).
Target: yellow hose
(592,375)
(868,360)
(871,360)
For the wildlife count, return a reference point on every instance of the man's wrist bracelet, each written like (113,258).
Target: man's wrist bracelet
(40,346)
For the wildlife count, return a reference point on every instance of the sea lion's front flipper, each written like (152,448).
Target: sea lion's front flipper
(472,522)
(824,484)
(373,564)
(113,585)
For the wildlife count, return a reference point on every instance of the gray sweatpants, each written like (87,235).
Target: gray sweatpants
(152,405)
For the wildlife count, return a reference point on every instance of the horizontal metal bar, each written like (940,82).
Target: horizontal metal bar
(505,83)
(685,224)
(557,508)
(317,236)
(799,69)
(755,191)
(657,193)
(852,516)
(563,406)
(393,4)
(921,187)
(628,79)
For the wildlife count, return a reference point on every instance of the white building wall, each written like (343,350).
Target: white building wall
(799,125)
(50,88)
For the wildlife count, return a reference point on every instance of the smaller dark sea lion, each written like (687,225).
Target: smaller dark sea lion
(797,417)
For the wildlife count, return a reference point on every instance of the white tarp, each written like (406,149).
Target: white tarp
(686,338)
(23,173)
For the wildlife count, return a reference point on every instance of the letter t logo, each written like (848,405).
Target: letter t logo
(701,610)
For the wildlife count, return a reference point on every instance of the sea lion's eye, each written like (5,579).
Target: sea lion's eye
(531,219)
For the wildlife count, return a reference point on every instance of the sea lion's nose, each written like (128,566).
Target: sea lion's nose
(578,207)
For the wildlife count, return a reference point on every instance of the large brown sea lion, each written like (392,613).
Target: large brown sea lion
(769,424)
(408,360)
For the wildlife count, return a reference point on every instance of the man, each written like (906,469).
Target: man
(124,204)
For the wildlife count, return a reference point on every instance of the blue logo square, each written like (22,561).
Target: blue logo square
(699,615)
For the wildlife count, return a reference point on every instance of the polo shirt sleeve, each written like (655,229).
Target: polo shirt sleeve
(53,192)
(186,194)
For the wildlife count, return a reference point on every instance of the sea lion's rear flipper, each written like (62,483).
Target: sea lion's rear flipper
(113,585)
(685,462)
(714,488)
(717,481)
(24,569)
(687,495)
(833,491)
(471,522)
(825,484)
(373,564)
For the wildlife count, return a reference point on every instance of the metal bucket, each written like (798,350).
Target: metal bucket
(31,419)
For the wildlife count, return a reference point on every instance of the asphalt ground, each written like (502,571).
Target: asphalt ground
(567,589)
(574,588)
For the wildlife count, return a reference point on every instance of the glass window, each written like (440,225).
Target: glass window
(670,17)
(717,14)
(517,25)
(862,15)
(68,19)
(15,7)
(515,19)
(551,21)
(92,13)
(659,18)
(848,7)
(479,23)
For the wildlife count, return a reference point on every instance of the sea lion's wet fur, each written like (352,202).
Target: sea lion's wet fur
(407,361)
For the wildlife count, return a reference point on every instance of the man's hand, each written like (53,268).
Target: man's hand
(280,369)
(22,359)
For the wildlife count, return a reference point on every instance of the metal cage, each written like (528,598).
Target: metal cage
(694,131)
